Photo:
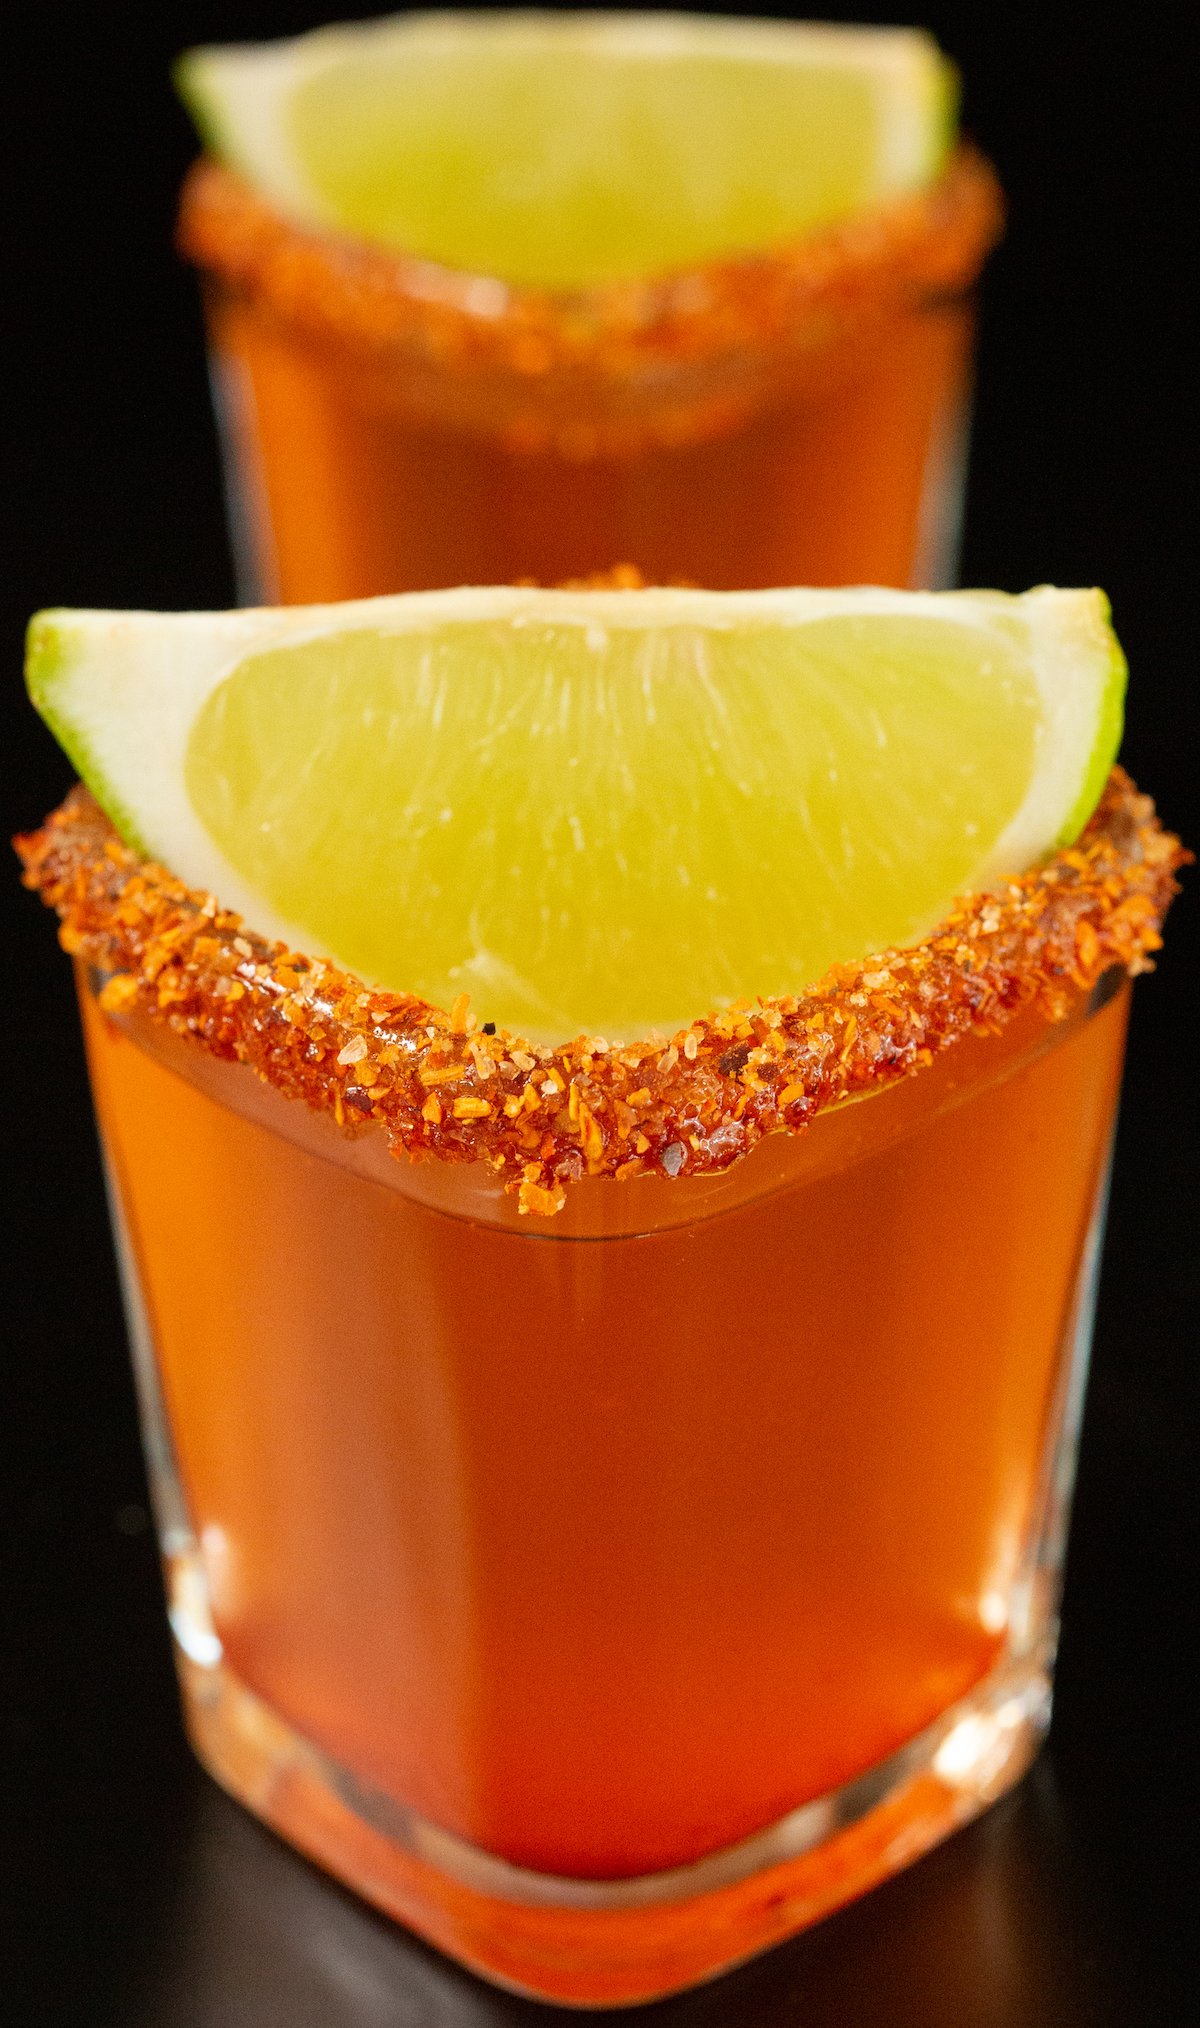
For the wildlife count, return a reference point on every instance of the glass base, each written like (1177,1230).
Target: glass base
(599,1943)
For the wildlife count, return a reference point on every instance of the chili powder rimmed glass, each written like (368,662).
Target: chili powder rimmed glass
(796,416)
(610,1577)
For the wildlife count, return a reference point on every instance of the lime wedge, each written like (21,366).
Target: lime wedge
(593,811)
(562,150)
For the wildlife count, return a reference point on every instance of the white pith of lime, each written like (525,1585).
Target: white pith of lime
(563,150)
(594,811)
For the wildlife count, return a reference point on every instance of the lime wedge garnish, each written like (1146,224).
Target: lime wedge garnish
(593,811)
(561,150)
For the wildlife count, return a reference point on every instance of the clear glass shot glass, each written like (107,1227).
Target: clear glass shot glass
(608,1601)
(794,417)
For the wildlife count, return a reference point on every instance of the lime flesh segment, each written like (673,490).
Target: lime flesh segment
(560,152)
(601,830)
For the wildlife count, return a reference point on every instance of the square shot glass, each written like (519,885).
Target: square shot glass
(610,1581)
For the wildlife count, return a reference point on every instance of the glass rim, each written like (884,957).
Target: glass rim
(686,352)
(852,1130)
(544,1117)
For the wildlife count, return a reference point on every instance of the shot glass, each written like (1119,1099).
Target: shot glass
(610,1594)
(794,417)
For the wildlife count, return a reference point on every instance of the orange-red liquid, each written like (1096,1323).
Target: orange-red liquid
(855,482)
(604,1553)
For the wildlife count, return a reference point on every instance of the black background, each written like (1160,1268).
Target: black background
(131,1893)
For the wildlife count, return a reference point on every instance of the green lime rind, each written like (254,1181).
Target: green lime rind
(944,122)
(52,659)
(202,104)
(1110,725)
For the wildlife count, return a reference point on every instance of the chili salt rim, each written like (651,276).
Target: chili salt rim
(594,370)
(441,1086)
